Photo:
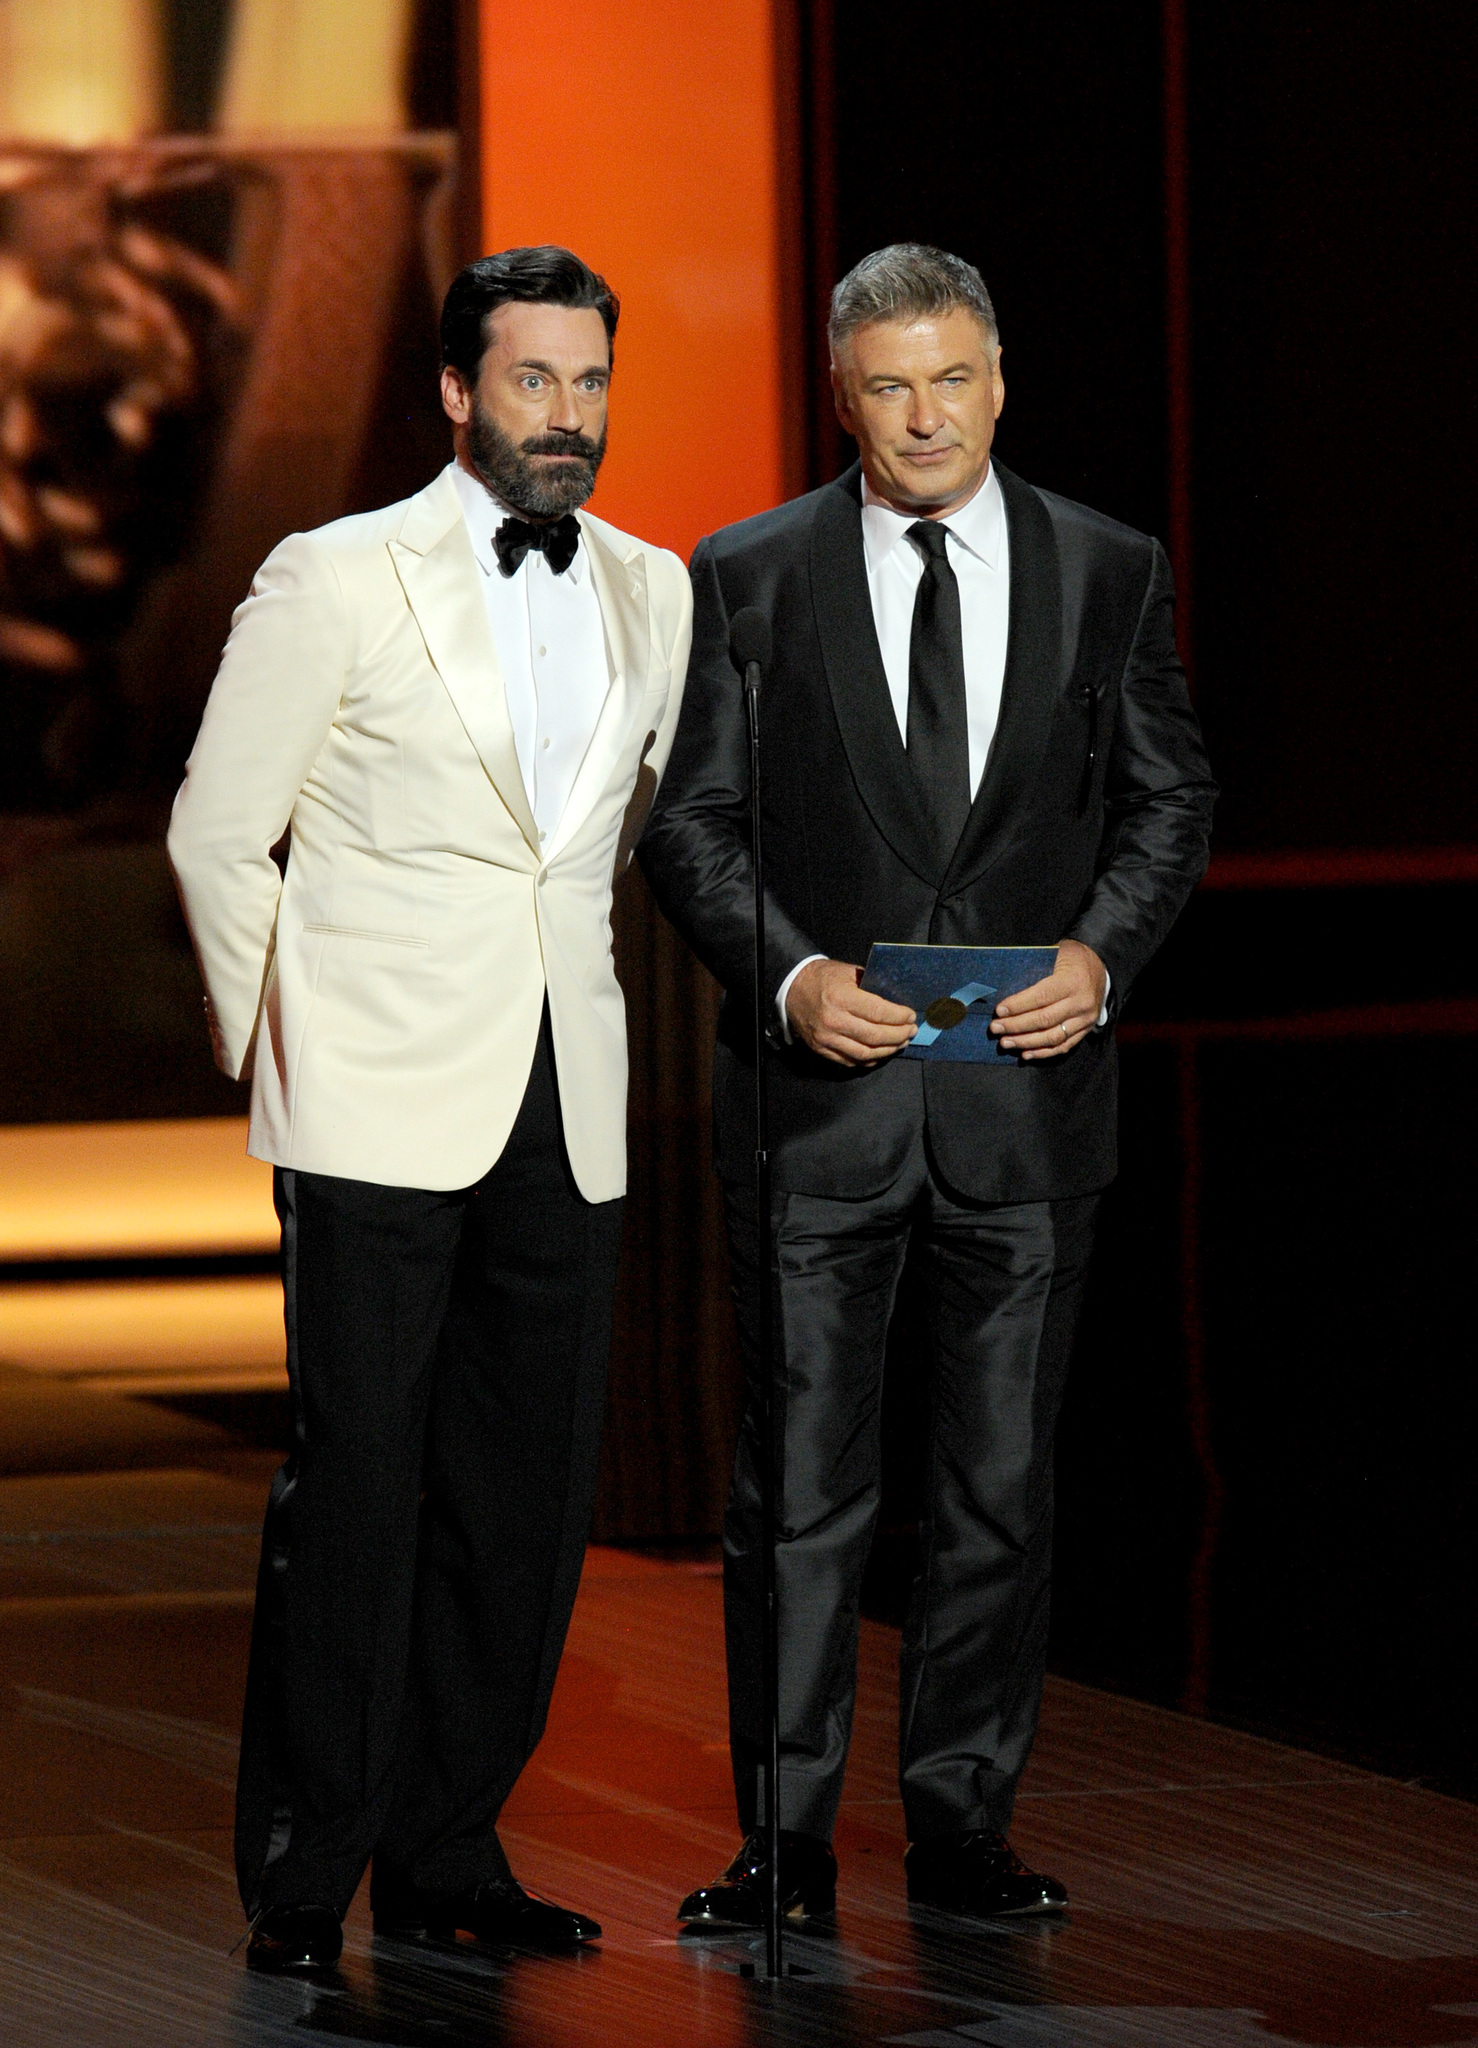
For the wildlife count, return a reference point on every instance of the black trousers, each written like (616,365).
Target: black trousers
(1004,1285)
(423,1542)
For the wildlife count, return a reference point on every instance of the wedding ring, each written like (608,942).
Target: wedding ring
(1063,1029)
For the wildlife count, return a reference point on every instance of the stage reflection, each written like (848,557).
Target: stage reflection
(1226,1892)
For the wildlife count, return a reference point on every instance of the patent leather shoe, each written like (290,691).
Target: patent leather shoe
(737,1898)
(498,1913)
(295,1940)
(978,1874)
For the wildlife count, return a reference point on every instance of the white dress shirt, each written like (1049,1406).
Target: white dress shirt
(551,644)
(980,555)
(979,551)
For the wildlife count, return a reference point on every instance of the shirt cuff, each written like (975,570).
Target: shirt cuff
(1108,982)
(784,990)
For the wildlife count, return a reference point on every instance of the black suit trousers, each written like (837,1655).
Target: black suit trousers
(1003,1286)
(423,1542)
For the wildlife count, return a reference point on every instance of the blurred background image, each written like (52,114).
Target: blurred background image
(225,234)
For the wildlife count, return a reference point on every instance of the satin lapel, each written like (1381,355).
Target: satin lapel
(621,586)
(1029,690)
(443,587)
(857,680)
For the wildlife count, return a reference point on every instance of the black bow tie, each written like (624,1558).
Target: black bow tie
(557,542)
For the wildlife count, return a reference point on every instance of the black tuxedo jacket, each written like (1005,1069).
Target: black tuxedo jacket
(1091,822)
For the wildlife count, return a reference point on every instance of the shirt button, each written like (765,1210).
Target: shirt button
(543,650)
(546,742)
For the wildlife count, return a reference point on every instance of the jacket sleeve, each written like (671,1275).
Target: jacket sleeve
(270,709)
(676,611)
(681,614)
(696,848)
(1158,796)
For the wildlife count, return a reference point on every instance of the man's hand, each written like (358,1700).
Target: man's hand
(1054,1015)
(833,1015)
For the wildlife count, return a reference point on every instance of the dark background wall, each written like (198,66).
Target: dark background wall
(1332,192)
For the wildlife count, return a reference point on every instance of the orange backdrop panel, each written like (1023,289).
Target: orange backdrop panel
(643,135)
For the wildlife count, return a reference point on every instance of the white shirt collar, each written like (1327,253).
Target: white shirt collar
(978,525)
(484,514)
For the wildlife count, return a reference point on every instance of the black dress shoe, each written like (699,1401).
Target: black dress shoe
(979,1875)
(495,1914)
(737,1898)
(295,1939)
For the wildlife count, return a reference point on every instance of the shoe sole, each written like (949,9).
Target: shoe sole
(955,1912)
(296,1966)
(798,1916)
(459,1942)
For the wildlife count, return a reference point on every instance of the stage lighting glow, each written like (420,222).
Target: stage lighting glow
(181,1189)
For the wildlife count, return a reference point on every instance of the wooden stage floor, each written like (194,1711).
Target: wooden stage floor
(1226,1892)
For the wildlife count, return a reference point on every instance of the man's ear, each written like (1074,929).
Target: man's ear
(456,399)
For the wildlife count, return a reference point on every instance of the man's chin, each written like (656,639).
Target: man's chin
(543,511)
(550,494)
(919,487)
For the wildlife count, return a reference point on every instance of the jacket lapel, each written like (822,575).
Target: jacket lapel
(1030,688)
(856,678)
(621,586)
(443,585)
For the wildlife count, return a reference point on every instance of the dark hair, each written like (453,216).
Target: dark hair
(546,276)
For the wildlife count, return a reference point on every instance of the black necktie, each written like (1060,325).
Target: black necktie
(938,727)
(556,542)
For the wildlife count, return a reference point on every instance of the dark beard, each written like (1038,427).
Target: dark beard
(532,489)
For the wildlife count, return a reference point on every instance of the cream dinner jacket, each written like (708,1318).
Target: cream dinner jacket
(385,993)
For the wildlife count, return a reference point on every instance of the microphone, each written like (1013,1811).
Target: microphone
(749,650)
(749,644)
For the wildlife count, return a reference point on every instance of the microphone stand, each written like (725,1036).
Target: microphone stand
(770,1659)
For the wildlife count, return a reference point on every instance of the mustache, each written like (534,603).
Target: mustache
(562,444)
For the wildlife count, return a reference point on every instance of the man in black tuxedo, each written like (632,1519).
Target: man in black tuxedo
(977,732)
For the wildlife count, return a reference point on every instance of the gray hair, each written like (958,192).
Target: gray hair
(908,281)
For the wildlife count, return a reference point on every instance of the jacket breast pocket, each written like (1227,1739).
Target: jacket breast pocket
(347,931)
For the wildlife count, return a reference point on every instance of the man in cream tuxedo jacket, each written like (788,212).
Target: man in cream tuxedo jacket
(432,742)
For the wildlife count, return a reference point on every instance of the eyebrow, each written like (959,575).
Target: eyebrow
(893,376)
(537,363)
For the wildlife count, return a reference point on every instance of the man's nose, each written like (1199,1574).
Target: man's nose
(565,416)
(925,417)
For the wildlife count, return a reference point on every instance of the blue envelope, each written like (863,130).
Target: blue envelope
(953,990)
